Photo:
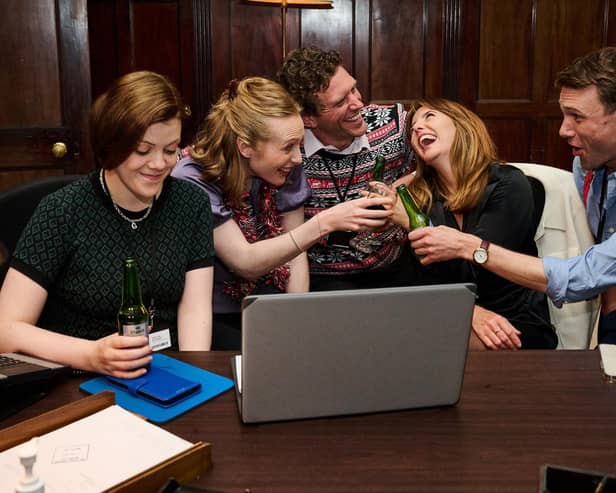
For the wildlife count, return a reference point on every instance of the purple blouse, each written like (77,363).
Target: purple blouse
(290,197)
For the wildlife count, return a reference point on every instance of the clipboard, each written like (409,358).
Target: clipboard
(211,386)
(185,466)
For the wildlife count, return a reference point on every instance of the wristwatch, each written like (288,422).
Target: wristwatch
(480,255)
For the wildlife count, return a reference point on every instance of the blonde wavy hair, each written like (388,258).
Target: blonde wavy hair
(240,112)
(471,153)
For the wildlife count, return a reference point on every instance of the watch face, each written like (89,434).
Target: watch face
(480,256)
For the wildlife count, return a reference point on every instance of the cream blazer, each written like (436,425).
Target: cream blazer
(563,232)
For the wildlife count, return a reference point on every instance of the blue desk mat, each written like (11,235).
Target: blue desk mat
(211,386)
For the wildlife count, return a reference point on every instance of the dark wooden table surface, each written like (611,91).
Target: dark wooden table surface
(518,411)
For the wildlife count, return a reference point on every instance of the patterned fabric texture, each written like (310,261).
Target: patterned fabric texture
(386,136)
(290,197)
(75,245)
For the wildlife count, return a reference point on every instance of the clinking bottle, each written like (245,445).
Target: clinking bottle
(132,316)
(378,172)
(417,218)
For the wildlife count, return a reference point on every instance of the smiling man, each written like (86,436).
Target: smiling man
(342,140)
(588,103)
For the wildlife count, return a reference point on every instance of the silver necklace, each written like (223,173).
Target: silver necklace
(133,222)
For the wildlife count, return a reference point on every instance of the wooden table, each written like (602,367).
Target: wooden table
(518,411)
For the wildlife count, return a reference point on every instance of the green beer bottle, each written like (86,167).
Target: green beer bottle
(378,172)
(417,219)
(132,315)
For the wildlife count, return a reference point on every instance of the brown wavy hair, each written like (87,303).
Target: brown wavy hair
(121,115)
(240,112)
(307,71)
(595,69)
(471,153)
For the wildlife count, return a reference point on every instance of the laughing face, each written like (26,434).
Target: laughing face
(139,179)
(340,120)
(588,128)
(272,160)
(432,136)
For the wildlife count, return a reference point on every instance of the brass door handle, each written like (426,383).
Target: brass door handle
(59,150)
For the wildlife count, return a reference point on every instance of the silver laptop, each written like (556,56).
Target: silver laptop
(347,352)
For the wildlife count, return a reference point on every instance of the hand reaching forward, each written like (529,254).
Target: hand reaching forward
(121,356)
(436,244)
(355,215)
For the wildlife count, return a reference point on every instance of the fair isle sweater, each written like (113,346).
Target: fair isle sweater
(386,137)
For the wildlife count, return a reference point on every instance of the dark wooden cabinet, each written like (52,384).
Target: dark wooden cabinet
(44,89)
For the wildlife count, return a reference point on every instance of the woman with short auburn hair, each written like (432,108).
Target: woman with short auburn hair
(62,292)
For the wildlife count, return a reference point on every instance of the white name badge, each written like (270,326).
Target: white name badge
(160,339)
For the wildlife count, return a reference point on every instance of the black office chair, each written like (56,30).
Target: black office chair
(16,207)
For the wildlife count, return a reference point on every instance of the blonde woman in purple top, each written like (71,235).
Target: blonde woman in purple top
(248,148)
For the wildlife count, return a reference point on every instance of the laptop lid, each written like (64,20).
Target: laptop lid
(346,352)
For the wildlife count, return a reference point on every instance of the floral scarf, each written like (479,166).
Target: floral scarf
(258,225)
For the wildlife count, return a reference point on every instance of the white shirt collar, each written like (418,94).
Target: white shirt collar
(312,145)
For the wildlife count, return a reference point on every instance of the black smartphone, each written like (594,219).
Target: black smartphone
(560,479)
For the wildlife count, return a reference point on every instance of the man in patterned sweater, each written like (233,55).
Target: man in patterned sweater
(342,141)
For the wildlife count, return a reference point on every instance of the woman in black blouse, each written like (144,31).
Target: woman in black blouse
(459,180)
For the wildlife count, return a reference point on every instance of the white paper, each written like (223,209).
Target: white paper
(94,453)
(238,372)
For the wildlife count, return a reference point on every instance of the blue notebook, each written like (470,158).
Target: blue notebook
(211,386)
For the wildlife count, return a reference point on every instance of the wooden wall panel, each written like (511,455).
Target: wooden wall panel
(512,56)
(104,46)
(498,57)
(567,29)
(555,150)
(512,137)
(397,48)
(506,28)
(331,29)
(157,35)
(256,42)
(32,45)
(155,38)
(44,89)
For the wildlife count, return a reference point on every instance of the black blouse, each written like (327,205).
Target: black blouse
(504,217)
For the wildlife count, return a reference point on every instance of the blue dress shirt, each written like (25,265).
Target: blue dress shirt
(587,275)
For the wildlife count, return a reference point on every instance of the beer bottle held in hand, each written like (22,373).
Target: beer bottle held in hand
(132,315)
(378,174)
(417,219)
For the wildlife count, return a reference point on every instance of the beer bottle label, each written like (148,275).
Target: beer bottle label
(134,329)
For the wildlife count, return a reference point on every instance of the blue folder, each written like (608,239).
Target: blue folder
(211,386)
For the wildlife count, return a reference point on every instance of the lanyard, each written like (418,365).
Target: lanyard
(328,158)
(602,212)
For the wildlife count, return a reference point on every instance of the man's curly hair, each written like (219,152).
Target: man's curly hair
(307,71)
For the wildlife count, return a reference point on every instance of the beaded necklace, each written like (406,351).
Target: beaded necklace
(133,222)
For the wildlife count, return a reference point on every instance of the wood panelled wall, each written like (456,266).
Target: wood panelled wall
(44,89)
(499,57)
